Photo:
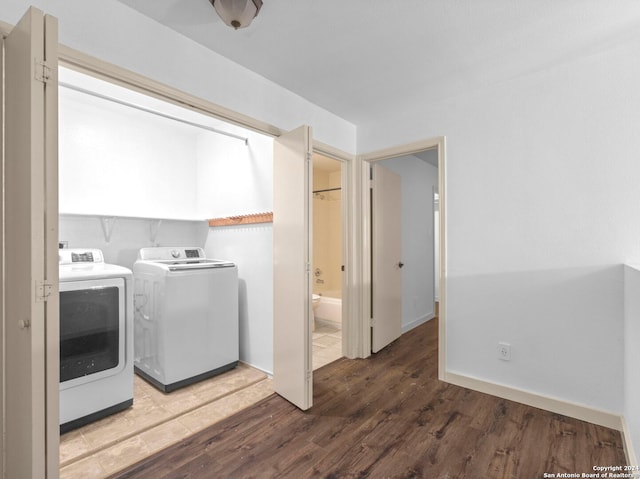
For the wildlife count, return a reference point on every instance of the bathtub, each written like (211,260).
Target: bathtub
(329,310)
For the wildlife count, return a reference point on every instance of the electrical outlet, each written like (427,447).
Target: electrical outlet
(504,351)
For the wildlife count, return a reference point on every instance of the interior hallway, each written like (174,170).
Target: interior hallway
(389,416)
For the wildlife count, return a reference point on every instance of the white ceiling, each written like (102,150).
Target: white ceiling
(365,58)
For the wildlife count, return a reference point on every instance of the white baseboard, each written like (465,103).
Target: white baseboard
(632,460)
(417,322)
(566,408)
(268,373)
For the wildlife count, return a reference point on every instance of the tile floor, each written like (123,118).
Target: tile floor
(157,420)
(327,344)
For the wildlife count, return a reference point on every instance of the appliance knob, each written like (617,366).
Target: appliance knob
(175,253)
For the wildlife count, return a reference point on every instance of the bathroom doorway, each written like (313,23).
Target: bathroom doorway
(327,267)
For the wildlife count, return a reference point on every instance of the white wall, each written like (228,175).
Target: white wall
(237,179)
(118,34)
(128,235)
(632,354)
(418,289)
(542,201)
(234,178)
(116,160)
(251,248)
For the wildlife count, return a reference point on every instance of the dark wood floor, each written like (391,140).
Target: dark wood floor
(389,416)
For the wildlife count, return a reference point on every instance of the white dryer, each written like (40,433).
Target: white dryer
(96,332)
(186,316)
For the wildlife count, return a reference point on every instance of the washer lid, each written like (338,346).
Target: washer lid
(198,264)
(171,258)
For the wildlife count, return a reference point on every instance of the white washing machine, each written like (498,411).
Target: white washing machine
(96,332)
(186,316)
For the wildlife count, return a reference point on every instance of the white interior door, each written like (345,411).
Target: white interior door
(292,186)
(30,258)
(386,288)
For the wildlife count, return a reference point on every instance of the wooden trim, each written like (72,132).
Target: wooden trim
(332,152)
(84,63)
(242,220)
(560,406)
(403,150)
(442,261)
(4,30)
(50,263)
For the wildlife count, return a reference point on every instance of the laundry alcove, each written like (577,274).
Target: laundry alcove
(136,171)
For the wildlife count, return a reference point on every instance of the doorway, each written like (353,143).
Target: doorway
(327,266)
(432,153)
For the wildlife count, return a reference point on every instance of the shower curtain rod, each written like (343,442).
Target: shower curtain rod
(153,112)
(328,189)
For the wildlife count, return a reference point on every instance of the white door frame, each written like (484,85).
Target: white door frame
(364,161)
(350,259)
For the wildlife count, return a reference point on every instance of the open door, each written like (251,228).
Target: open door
(292,186)
(386,211)
(30,257)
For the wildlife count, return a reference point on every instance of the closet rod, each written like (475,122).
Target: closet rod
(153,112)
(328,189)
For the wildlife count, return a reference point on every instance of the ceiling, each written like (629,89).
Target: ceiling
(363,59)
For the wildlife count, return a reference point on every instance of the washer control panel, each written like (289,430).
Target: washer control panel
(167,253)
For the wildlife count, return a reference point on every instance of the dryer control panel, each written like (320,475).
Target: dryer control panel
(77,255)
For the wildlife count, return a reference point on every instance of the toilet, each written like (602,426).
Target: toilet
(315,301)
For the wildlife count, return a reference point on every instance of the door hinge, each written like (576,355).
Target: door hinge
(43,71)
(43,290)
